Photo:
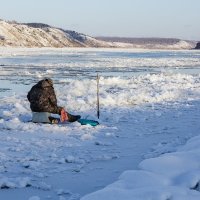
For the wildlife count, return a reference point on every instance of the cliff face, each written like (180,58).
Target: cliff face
(42,35)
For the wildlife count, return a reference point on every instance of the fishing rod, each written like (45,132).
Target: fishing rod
(98,109)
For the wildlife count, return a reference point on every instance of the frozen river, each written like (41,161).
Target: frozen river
(22,67)
(149,105)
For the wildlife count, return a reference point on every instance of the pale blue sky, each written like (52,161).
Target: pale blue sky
(125,18)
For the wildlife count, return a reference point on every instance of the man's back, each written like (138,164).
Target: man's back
(42,97)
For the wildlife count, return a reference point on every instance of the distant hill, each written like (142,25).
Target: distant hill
(152,43)
(167,41)
(14,34)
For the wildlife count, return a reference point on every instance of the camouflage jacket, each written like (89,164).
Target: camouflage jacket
(42,97)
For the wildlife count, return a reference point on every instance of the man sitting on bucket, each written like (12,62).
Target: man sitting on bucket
(43,103)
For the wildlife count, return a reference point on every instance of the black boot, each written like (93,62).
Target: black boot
(73,118)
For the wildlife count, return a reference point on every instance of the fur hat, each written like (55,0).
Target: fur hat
(50,81)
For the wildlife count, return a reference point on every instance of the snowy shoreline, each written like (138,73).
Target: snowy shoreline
(13,51)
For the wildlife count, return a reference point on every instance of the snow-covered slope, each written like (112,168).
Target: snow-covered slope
(14,34)
(42,35)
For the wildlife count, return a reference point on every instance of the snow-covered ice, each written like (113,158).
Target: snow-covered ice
(147,143)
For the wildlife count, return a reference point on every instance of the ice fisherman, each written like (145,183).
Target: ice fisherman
(43,103)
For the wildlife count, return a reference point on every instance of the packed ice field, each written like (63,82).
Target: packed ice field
(147,145)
